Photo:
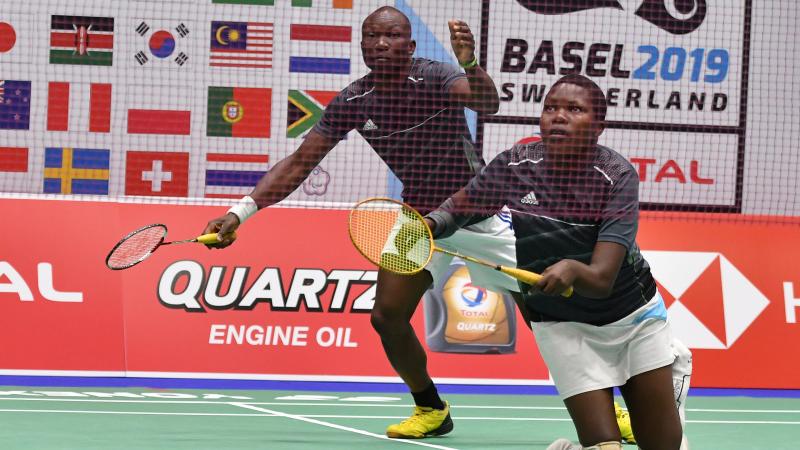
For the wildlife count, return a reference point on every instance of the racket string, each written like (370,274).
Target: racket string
(390,235)
(135,247)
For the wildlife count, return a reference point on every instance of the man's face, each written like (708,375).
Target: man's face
(568,124)
(386,42)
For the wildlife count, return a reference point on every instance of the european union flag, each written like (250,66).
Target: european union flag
(15,105)
(76,170)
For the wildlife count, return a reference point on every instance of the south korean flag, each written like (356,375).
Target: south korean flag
(159,45)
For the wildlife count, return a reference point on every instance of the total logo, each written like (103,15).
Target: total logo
(710,302)
(472,295)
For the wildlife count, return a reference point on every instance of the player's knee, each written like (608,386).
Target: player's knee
(387,324)
(668,438)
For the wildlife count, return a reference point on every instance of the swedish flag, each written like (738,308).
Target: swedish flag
(76,170)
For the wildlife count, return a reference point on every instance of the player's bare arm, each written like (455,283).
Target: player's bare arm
(478,91)
(277,184)
(594,280)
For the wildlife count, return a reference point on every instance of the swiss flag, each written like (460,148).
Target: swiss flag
(163,174)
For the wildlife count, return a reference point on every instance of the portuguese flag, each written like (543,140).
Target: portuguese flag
(81,40)
(239,112)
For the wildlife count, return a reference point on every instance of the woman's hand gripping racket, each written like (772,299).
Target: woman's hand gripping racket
(395,237)
(140,244)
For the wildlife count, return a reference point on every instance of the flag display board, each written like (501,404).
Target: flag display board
(131,73)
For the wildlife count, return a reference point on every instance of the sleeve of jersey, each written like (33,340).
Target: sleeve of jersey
(482,197)
(621,215)
(446,75)
(337,119)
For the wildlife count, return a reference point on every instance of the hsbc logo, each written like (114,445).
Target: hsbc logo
(710,302)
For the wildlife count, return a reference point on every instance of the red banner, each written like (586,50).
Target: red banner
(291,298)
(732,290)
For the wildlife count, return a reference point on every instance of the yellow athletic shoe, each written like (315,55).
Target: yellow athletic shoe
(424,422)
(624,424)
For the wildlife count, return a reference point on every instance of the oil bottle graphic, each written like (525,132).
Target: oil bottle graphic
(463,318)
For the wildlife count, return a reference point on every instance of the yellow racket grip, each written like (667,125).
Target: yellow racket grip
(211,238)
(529,277)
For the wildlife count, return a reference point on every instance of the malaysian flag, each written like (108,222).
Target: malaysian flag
(241,44)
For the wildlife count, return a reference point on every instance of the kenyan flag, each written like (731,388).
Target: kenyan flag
(81,40)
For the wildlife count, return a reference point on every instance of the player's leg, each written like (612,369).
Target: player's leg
(593,415)
(584,363)
(654,415)
(623,419)
(395,301)
(681,376)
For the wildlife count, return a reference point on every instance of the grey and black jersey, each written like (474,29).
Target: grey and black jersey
(562,215)
(420,134)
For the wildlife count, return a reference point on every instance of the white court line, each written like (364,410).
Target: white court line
(369,405)
(459,418)
(271,413)
(225,401)
(778,411)
(339,427)
(745,422)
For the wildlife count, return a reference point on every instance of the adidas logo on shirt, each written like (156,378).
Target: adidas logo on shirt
(530,199)
(370,125)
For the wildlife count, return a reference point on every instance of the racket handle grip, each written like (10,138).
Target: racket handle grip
(530,278)
(210,238)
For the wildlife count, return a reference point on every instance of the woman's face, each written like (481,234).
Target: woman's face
(568,123)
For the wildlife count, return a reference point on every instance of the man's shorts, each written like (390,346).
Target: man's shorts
(583,357)
(491,239)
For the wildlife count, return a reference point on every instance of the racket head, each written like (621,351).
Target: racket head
(391,235)
(136,246)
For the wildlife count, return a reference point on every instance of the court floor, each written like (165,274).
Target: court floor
(131,418)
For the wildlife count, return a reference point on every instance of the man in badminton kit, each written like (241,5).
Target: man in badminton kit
(411,112)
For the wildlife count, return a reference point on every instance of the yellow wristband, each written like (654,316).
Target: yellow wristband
(472,63)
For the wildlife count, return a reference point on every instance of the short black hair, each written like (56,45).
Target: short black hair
(598,98)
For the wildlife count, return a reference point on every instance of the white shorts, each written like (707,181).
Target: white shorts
(583,357)
(492,240)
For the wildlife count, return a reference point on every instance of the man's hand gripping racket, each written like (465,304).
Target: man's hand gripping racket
(140,244)
(395,237)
